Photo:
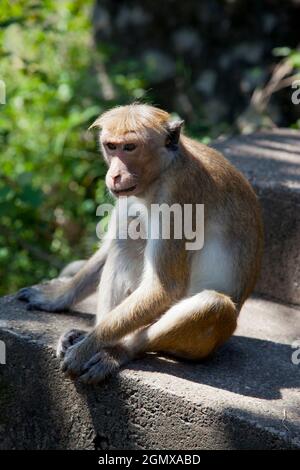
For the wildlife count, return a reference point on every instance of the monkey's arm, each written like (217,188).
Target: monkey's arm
(164,281)
(58,295)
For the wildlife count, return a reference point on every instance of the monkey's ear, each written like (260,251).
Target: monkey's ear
(96,124)
(173,134)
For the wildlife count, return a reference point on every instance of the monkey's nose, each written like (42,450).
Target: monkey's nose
(116,179)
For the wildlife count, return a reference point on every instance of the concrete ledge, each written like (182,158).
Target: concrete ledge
(271,162)
(247,396)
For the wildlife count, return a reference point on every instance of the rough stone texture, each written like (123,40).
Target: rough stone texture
(271,162)
(246,396)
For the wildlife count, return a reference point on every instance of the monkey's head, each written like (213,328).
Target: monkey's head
(138,142)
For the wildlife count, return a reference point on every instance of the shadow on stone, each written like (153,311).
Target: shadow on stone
(41,409)
(246,366)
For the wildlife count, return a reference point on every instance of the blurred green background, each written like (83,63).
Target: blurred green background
(65,62)
(51,175)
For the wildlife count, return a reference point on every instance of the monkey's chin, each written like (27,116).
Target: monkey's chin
(132,190)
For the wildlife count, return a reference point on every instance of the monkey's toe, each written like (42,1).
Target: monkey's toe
(34,298)
(71,367)
(100,366)
(42,298)
(44,305)
(67,340)
(34,305)
(26,293)
(73,360)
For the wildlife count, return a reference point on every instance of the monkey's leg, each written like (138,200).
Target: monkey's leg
(58,295)
(72,268)
(193,328)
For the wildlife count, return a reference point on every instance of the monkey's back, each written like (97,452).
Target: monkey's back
(233,224)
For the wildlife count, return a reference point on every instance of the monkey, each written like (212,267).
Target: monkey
(154,295)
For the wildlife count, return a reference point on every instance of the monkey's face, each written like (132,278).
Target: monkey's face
(138,141)
(132,163)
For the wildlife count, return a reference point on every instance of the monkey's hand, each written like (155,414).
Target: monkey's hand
(51,296)
(91,364)
(67,340)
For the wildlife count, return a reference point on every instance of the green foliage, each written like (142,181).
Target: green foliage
(51,174)
(292,55)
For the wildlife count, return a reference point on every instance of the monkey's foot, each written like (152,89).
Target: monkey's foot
(67,340)
(42,297)
(100,365)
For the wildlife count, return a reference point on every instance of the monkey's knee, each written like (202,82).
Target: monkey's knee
(220,314)
(213,325)
(196,327)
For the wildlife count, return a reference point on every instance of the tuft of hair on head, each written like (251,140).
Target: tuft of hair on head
(135,117)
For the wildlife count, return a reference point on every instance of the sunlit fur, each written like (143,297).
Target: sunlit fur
(134,117)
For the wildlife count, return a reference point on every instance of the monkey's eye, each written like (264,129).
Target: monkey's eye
(111,146)
(129,147)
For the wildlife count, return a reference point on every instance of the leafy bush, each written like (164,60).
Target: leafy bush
(51,174)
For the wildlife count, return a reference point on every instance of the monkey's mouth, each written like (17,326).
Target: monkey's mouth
(124,192)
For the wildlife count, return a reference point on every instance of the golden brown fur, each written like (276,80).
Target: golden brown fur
(155,295)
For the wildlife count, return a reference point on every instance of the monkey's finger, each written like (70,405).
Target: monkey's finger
(96,374)
(98,357)
(71,365)
(100,366)
(71,370)
(39,303)
(68,339)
